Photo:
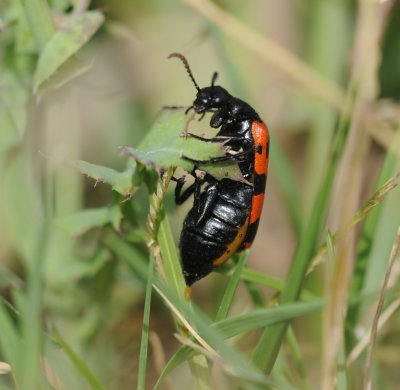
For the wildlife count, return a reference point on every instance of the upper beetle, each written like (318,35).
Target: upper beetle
(225,215)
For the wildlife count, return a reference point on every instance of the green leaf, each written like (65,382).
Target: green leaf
(243,323)
(166,142)
(76,31)
(169,254)
(79,223)
(13,102)
(263,317)
(78,363)
(184,353)
(70,69)
(231,288)
(25,42)
(9,132)
(9,339)
(120,182)
(144,344)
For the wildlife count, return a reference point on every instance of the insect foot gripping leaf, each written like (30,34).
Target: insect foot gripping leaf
(166,143)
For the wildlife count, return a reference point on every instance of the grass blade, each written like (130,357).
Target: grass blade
(32,310)
(9,341)
(172,265)
(295,349)
(264,317)
(183,354)
(146,325)
(78,363)
(285,177)
(231,288)
(374,329)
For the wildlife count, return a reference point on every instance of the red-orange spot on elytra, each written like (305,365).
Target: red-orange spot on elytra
(256,207)
(259,131)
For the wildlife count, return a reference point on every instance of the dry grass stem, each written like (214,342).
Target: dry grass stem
(361,214)
(284,61)
(158,356)
(364,342)
(185,322)
(363,90)
(374,329)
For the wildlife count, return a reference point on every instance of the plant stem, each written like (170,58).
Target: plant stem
(146,325)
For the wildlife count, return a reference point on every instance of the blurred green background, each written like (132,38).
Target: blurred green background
(307,67)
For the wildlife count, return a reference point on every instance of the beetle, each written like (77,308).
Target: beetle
(225,216)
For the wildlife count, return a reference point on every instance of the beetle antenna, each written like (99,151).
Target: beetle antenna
(187,67)
(214,77)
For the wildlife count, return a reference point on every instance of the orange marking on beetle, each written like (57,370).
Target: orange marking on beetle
(259,130)
(233,246)
(188,293)
(256,207)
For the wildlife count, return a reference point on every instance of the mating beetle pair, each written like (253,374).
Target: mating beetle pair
(225,215)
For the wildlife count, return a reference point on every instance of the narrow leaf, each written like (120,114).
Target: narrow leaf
(183,354)
(79,223)
(79,363)
(75,32)
(167,141)
(9,339)
(120,182)
(145,328)
(231,288)
(263,317)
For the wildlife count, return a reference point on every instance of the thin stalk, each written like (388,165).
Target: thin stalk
(374,329)
(146,325)
(32,309)
(231,288)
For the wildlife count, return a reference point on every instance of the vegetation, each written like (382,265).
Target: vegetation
(90,280)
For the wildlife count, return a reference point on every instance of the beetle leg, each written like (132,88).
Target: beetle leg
(237,157)
(214,139)
(180,196)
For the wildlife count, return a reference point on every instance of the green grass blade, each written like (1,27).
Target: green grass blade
(238,365)
(298,360)
(253,276)
(9,341)
(183,354)
(146,327)
(286,179)
(172,265)
(78,363)
(32,312)
(264,317)
(256,277)
(231,288)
